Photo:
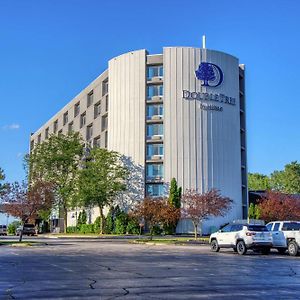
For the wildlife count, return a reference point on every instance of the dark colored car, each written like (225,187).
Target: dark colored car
(28,229)
(3,230)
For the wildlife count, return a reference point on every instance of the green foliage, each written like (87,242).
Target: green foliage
(87,228)
(3,186)
(101,179)
(288,180)
(11,229)
(56,160)
(72,229)
(258,181)
(175,194)
(82,218)
(156,230)
(133,226)
(254,211)
(97,224)
(109,221)
(121,223)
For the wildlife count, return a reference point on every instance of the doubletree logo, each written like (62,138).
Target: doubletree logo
(210,74)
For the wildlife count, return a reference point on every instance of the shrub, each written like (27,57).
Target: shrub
(72,229)
(121,223)
(109,223)
(87,228)
(97,224)
(11,229)
(156,230)
(82,218)
(133,227)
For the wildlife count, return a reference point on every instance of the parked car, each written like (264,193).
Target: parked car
(3,230)
(242,237)
(28,229)
(285,236)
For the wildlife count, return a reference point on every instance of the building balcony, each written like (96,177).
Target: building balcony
(154,138)
(155,100)
(155,119)
(154,80)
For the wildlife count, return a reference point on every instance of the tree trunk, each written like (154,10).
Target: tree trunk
(65,219)
(21,236)
(196,233)
(102,219)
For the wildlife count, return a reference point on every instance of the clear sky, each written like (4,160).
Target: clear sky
(51,49)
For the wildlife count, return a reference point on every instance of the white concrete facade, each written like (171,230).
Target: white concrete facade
(146,115)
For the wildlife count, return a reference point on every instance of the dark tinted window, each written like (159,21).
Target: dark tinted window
(29,225)
(291,226)
(236,227)
(276,227)
(227,228)
(257,228)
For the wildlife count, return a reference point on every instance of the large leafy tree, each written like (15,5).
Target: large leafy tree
(287,180)
(57,160)
(27,202)
(175,194)
(257,181)
(199,207)
(3,186)
(279,206)
(102,177)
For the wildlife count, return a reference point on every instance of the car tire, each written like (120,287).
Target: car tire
(293,248)
(265,251)
(214,246)
(281,250)
(241,248)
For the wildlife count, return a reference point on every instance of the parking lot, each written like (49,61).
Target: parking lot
(109,269)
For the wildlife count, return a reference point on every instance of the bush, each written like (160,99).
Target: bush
(121,223)
(97,224)
(11,229)
(157,230)
(72,229)
(82,218)
(109,223)
(133,227)
(87,228)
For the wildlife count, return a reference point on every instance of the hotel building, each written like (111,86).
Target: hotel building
(177,114)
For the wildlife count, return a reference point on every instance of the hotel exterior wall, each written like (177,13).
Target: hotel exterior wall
(127,90)
(202,147)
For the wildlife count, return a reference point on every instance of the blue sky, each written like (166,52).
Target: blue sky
(50,50)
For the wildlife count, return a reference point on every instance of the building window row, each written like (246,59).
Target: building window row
(154,151)
(154,90)
(154,172)
(155,111)
(155,190)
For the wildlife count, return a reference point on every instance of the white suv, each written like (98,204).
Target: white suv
(242,237)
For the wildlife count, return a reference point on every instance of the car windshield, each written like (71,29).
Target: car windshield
(291,226)
(257,228)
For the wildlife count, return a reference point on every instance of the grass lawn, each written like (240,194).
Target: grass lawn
(19,244)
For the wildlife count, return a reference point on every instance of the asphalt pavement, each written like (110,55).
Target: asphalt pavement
(113,269)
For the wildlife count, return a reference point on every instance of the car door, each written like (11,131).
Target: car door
(278,236)
(224,236)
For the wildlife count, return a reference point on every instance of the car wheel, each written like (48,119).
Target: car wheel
(214,246)
(241,248)
(265,251)
(281,250)
(293,248)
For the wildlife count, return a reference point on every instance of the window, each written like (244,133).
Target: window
(82,120)
(154,90)
(90,98)
(47,133)
(105,87)
(276,227)
(106,103)
(97,142)
(269,226)
(70,127)
(226,228)
(55,126)
(65,118)
(155,129)
(155,190)
(291,226)
(154,149)
(106,139)
(154,110)
(259,228)
(97,109)
(39,138)
(76,109)
(154,171)
(104,123)
(236,227)
(154,71)
(89,131)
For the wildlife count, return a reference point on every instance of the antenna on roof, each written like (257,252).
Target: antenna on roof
(203,41)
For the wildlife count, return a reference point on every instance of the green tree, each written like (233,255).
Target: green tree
(82,218)
(3,186)
(175,194)
(257,181)
(57,160)
(287,180)
(101,178)
(254,211)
